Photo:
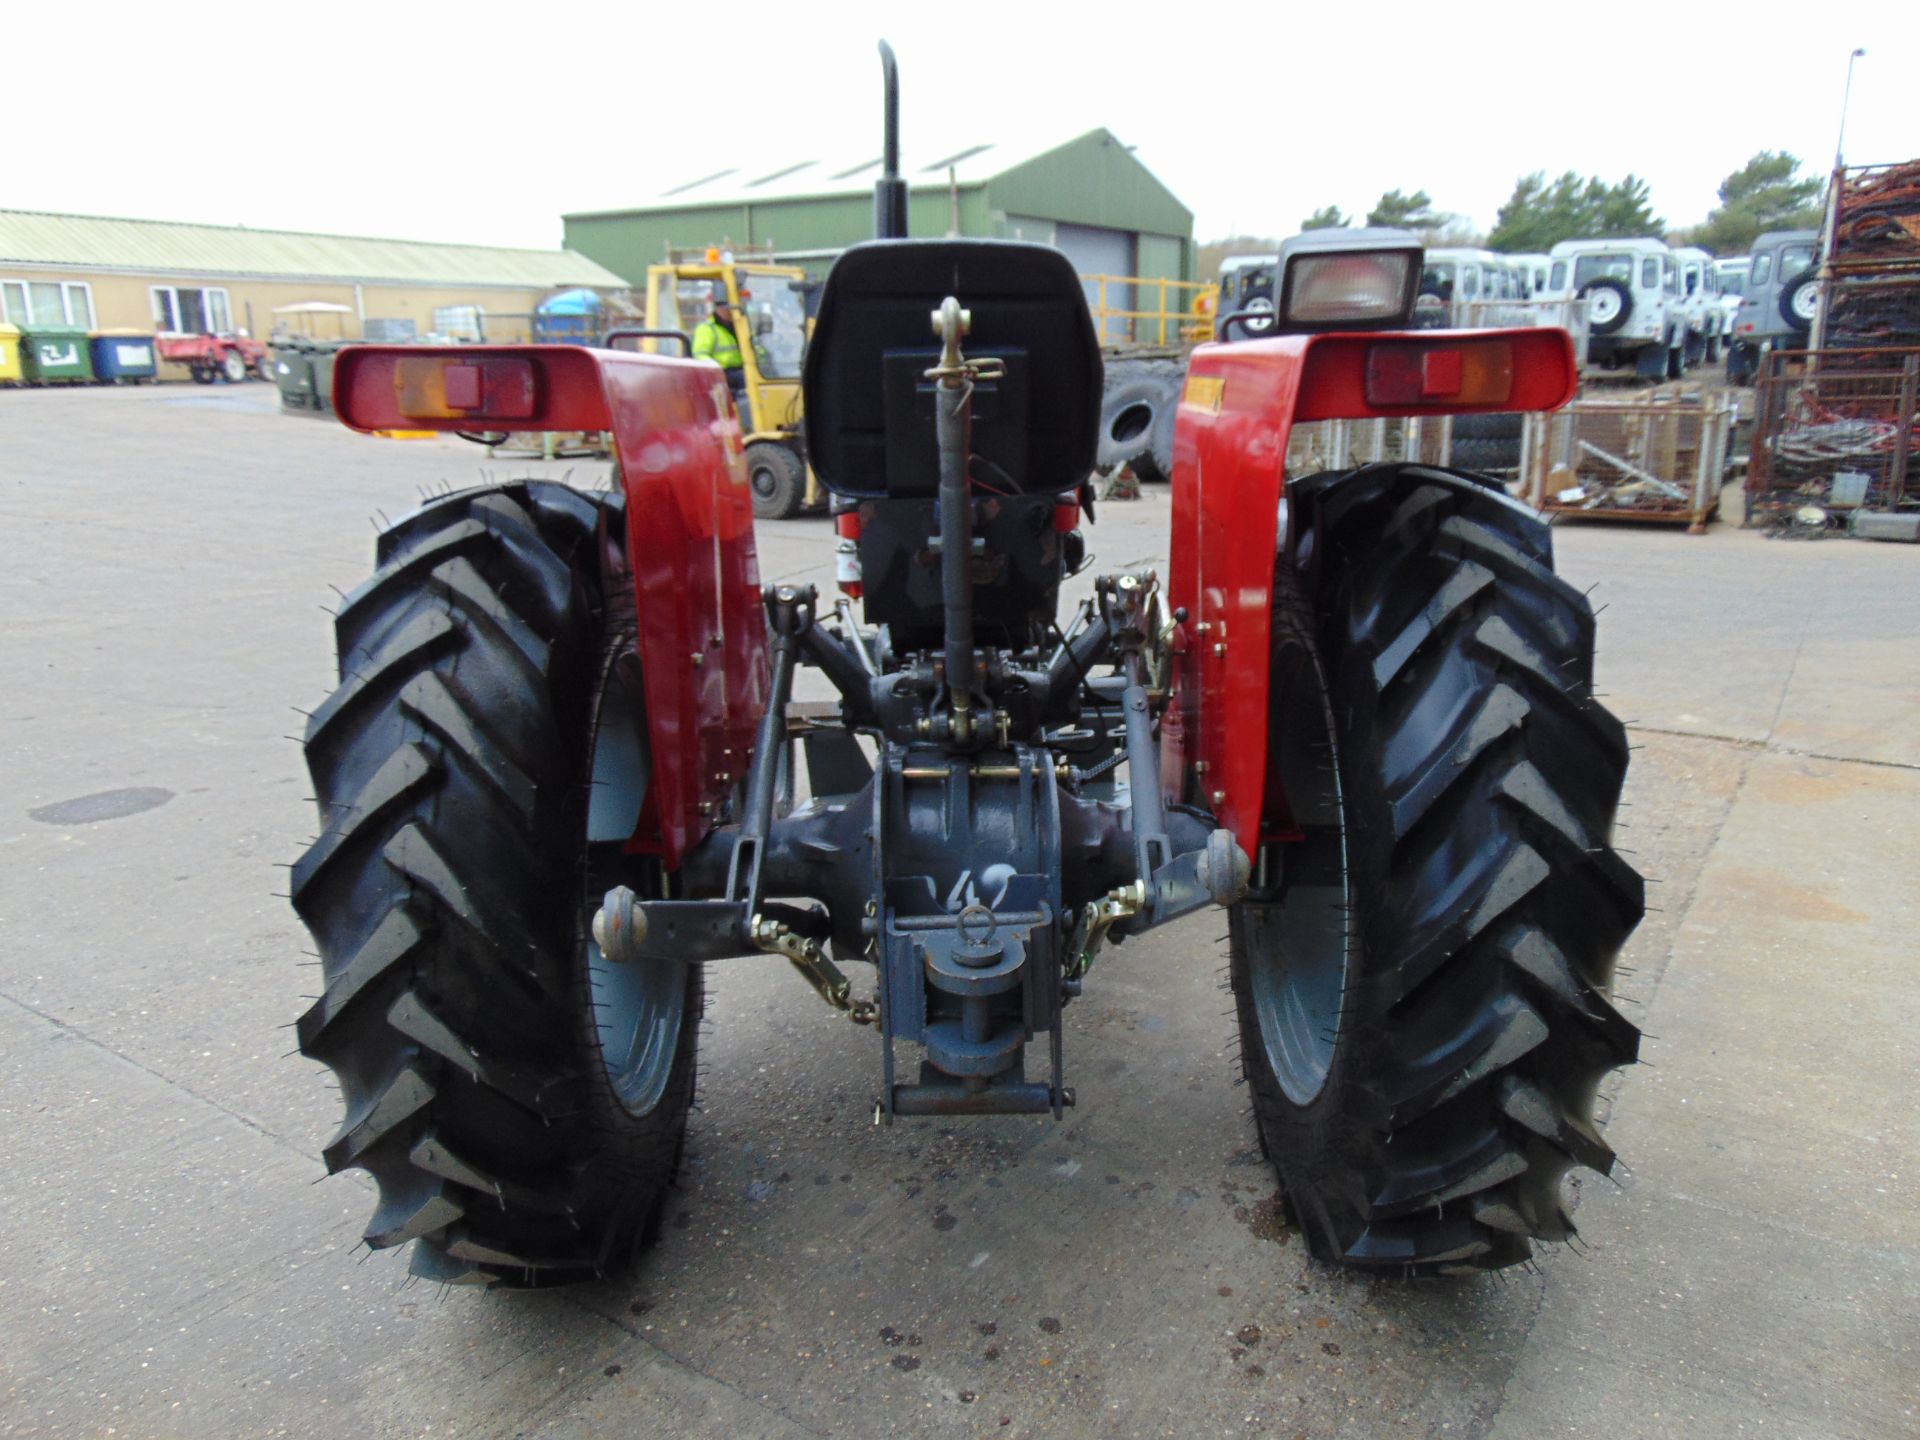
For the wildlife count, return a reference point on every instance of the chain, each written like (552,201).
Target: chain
(810,958)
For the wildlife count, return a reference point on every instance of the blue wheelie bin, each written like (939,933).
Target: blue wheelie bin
(124,355)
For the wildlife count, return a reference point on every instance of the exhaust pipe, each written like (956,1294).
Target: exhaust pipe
(890,191)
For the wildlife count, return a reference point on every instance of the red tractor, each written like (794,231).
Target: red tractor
(557,777)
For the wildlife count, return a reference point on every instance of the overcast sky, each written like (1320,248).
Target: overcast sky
(484,122)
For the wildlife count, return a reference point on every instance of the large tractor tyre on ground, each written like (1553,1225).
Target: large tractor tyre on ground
(1502,425)
(1129,407)
(1422,977)
(520,1102)
(1155,463)
(1481,455)
(778,478)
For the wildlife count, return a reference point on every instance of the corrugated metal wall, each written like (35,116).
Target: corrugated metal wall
(1092,182)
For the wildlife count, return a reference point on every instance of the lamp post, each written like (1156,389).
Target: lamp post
(1845,100)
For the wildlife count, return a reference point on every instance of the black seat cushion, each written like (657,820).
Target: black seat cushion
(869,408)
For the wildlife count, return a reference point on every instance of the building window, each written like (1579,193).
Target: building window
(46,302)
(191,312)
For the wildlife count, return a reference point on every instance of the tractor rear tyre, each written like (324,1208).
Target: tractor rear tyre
(1422,978)
(521,1102)
(778,479)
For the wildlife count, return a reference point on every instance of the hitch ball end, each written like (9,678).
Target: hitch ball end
(619,925)
(1224,868)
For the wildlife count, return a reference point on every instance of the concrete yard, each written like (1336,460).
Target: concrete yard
(172,1269)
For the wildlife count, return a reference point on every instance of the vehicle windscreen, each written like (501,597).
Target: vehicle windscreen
(779,317)
(1436,278)
(1589,268)
(1733,282)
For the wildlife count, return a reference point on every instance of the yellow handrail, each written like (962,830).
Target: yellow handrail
(1187,320)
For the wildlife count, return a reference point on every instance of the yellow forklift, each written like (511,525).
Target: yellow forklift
(770,319)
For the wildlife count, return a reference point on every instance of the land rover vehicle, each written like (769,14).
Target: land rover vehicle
(1632,291)
(1700,305)
(1534,270)
(1782,297)
(1732,276)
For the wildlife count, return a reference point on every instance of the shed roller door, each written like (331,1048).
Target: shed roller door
(1101,252)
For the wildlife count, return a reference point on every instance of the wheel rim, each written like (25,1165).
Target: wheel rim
(1605,306)
(1298,941)
(766,483)
(1805,301)
(637,1008)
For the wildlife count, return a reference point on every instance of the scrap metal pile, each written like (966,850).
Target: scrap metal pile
(1642,460)
(1872,298)
(1836,437)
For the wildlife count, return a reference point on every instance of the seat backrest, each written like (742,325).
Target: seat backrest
(869,406)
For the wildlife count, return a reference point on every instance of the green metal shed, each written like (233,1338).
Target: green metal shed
(1089,195)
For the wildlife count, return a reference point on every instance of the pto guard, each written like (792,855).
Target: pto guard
(689,511)
(1236,416)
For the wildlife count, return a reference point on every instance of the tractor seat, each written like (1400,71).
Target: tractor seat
(869,405)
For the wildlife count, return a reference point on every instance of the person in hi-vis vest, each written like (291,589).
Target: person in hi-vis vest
(715,339)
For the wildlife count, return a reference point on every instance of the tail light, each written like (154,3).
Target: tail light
(433,387)
(1463,374)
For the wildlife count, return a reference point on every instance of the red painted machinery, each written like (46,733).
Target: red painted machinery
(216,357)
(563,770)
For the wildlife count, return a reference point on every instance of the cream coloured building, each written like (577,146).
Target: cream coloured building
(160,276)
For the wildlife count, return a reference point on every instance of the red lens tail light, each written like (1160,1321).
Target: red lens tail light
(1464,373)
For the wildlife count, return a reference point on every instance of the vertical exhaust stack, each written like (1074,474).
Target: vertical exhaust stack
(890,191)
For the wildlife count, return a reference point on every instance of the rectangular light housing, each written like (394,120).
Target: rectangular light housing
(1354,377)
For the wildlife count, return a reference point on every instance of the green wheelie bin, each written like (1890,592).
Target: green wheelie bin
(57,353)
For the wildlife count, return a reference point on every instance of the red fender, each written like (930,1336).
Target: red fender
(1236,415)
(703,635)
